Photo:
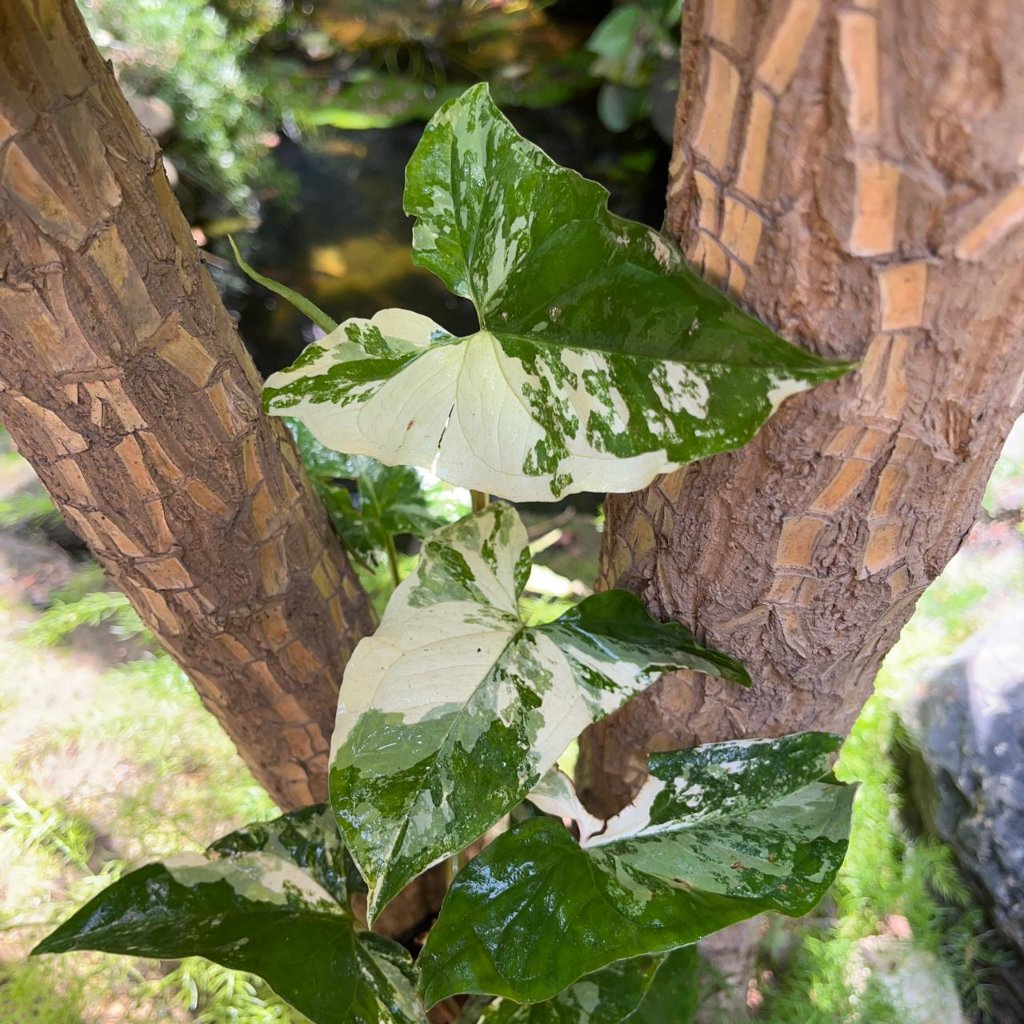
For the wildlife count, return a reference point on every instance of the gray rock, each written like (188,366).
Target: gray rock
(966,776)
(155,115)
(916,985)
(968,724)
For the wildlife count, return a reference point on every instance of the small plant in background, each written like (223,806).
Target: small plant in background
(634,46)
(371,505)
(222,104)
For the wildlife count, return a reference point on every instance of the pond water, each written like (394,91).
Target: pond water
(345,241)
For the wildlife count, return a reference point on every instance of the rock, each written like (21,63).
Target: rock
(913,982)
(153,113)
(966,776)
(968,725)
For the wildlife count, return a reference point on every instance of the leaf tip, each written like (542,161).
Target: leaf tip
(53,943)
(739,674)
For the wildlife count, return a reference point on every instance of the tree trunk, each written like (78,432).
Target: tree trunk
(852,172)
(123,381)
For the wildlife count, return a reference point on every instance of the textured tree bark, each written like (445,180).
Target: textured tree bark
(123,381)
(852,172)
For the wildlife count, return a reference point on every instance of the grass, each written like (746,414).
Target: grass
(130,769)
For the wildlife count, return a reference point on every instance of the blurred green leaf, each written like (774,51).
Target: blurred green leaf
(380,101)
(369,503)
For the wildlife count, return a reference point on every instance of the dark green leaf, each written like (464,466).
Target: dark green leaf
(718,834)
(455,707)
(368,502)
(263,900)
(643,990)
(602,360)
(674,995)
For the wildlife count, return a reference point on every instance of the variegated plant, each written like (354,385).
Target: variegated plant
(455,708)
(272,899)
(717,834)
(601,361)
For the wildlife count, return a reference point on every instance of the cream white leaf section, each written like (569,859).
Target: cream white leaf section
(556,795)
(257,877)
(451,712)
(506,416)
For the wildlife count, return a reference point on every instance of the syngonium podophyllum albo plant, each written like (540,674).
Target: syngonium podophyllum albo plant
(600,362)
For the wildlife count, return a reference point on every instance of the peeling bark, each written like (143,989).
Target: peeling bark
(851,171)
(123,381)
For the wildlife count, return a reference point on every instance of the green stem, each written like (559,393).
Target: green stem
(480,500)
(389,543)
(471,1009)
(392,559)
(303,305)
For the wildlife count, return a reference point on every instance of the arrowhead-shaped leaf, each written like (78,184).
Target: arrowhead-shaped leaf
(601,361)
(454,708)
(718,834)
(643,990)
(266,900)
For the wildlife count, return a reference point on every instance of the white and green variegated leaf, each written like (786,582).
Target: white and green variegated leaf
(601,359)
(718,834)
(642,990)
(267,899)
(454,708)
(555,794)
